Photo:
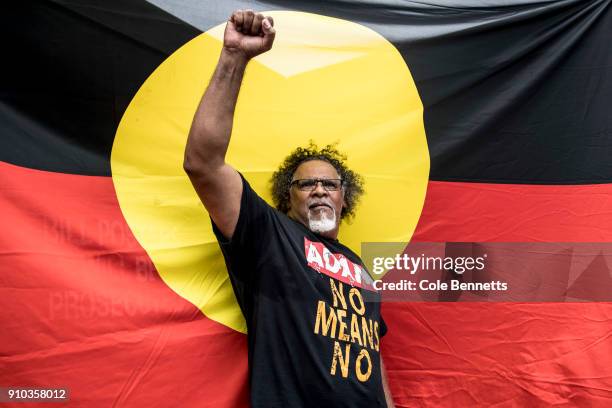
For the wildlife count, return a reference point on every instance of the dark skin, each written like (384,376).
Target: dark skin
(318,202)
(247,34)
(217,183)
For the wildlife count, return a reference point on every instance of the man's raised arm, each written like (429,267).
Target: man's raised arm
(218,185)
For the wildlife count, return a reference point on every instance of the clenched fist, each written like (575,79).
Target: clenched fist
(249,33)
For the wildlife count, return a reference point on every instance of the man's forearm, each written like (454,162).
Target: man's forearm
(212,124)
(219,186)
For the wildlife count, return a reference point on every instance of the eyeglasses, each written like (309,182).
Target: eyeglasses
(311,184)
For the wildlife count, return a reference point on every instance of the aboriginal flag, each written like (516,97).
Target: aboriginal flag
(516,114)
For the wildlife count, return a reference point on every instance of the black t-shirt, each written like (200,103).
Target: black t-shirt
(313,331)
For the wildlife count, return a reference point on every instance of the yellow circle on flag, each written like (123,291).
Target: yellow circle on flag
(325,80)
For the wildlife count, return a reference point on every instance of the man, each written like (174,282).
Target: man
(314,341)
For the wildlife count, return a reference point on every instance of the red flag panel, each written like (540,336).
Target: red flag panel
(83,306)
(504,354)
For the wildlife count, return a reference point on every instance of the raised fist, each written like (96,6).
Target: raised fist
(249,33)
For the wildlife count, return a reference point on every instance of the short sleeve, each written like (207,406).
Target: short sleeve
(253,226)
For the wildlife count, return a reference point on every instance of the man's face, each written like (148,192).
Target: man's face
(318,209)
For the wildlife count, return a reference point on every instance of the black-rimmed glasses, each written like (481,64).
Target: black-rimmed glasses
(311,184)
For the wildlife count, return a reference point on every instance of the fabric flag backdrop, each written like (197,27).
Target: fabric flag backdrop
(515,110)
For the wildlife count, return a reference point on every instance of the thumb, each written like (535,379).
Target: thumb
(269,32)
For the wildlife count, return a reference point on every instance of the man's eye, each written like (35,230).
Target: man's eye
(306,183)
(329,184)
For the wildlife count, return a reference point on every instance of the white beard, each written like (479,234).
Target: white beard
(323,224)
